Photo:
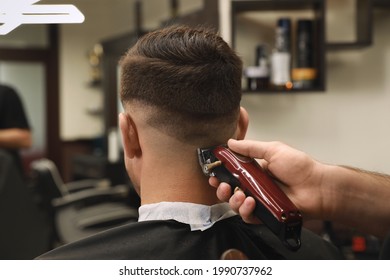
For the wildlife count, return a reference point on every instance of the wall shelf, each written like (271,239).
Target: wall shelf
(361,24)
(244,12)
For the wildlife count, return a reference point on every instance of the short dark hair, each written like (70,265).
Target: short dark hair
(188,74)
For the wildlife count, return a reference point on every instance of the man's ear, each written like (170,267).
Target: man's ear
(242,124)
(130,138)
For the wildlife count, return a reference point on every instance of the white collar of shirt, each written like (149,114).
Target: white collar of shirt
(197,216)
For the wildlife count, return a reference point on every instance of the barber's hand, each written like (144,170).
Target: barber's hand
(238,202)
(299,175)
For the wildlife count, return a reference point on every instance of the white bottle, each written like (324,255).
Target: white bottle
(281,56)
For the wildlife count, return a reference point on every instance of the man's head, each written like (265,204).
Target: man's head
(181,89)
(190,79)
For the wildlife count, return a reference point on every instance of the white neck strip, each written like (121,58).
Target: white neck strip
(197,216)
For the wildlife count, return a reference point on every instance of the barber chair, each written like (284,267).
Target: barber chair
(81,208)
(24,233)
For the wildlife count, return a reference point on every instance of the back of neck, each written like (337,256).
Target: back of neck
(175,179)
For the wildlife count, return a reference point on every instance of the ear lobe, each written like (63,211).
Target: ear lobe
(129,133)
(242,124)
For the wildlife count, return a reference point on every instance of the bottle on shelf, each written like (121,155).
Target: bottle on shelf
(304,72)
(258,75)
(281,56)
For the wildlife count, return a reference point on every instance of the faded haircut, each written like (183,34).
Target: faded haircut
(192,80)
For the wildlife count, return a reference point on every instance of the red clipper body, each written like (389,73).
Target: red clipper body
(273,207)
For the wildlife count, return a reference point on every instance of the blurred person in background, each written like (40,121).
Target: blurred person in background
(15,133)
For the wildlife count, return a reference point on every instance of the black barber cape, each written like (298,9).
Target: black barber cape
(153,240)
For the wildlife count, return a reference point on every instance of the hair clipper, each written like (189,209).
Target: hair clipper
(273,207)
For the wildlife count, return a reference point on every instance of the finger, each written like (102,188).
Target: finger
(237,200)
(214,182)
(224,192)
(246,211)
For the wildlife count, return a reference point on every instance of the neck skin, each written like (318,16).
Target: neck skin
(167,175)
